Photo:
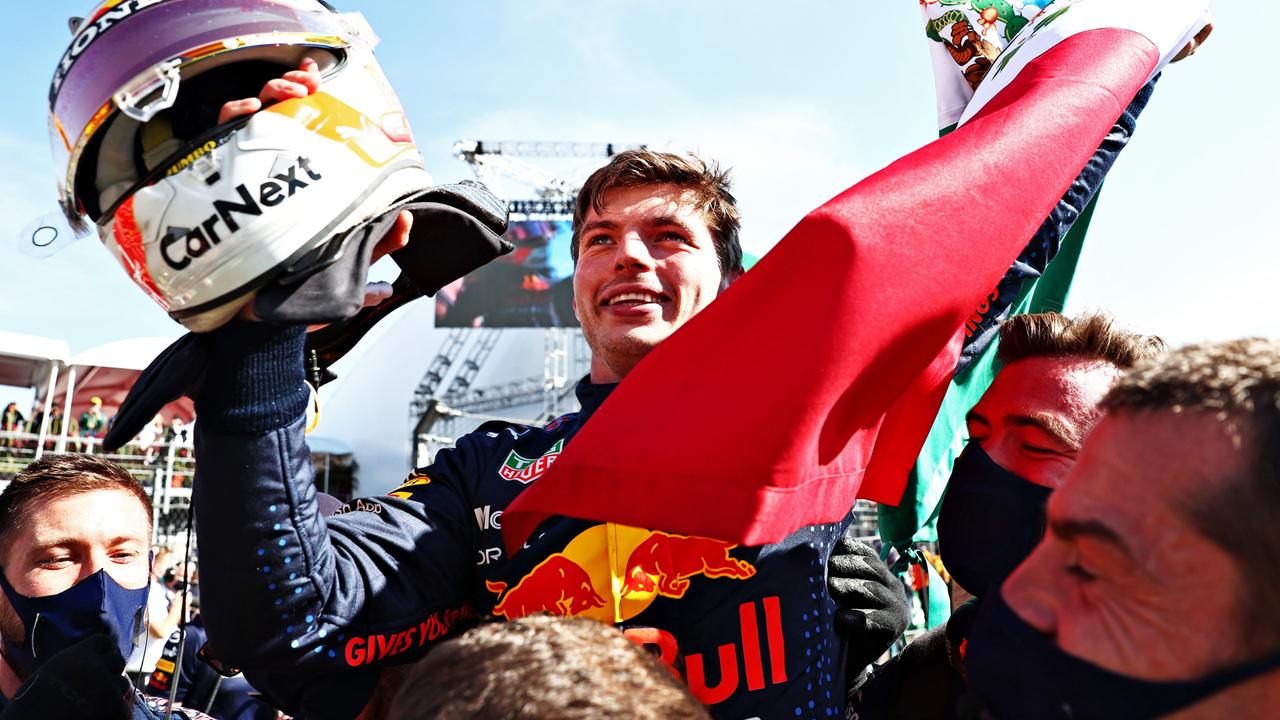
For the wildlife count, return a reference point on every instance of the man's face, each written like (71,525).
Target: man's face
(1033,418)
(1123,579)
(646,264)
(69,538)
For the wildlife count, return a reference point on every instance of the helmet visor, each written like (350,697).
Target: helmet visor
(135,46)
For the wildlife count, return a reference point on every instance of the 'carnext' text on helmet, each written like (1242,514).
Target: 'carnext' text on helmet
(194,242)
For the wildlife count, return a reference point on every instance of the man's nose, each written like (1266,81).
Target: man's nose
(92,564)
(632,253)
(1034,590)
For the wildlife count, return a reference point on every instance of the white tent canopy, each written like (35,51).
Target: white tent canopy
(25,359)
(107,372)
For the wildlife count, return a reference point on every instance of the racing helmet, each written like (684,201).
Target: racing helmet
(202,214)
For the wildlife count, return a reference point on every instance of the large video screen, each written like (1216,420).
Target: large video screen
(530,287)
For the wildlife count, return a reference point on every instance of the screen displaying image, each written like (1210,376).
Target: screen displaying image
(530,287)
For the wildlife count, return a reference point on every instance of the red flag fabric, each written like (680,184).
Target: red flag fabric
(818,373)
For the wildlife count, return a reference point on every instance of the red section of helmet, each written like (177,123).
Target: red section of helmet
(129,239)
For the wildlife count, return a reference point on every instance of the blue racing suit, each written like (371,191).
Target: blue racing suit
(311,608)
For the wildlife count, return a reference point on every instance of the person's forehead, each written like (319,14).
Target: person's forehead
(1066,387)
(94,516)
(647,203)
(1139,472)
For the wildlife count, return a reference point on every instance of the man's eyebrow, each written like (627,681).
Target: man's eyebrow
(71,540)
(1051,424)
(973,416)
(1073,529)
(598,225)
(666,220)
(53,542)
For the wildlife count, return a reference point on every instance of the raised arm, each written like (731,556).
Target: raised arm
(289,591)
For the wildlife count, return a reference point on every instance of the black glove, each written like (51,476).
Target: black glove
(871,604)
(177,371)
(83,682)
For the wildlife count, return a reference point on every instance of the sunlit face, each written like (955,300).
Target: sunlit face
(647,263)
(69,538)
(1122,578)
(1034,417)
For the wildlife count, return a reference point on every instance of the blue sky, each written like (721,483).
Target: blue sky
(802,99)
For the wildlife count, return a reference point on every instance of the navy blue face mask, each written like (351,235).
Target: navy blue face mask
(990,521)
(96,604)
(1014,671)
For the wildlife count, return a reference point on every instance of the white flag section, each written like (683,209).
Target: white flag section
(1168,24)
(965,37)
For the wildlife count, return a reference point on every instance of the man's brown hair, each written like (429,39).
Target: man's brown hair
(56,476)
(541,667)
(1238,383)
(708,183)
(1052,335)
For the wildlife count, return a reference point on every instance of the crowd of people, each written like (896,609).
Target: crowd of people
(1106,530)
(86,432)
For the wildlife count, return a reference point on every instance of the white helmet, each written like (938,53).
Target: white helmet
(200,214)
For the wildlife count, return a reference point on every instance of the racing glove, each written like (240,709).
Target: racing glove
(871,604)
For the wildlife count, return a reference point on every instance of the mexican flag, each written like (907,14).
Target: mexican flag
(964,39)
(815,378)
(962,36)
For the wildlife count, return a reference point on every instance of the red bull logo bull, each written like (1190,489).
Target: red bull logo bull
(663,563)
(557,585)
(590,577)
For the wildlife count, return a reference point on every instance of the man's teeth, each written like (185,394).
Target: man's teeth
(635,297)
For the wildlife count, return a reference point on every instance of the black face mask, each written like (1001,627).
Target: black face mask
(1014,671)
(990,521)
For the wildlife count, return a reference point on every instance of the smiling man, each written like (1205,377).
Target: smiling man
(1154,592)
(313,609)
(655,240)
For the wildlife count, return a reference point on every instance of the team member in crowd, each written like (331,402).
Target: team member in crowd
(1024,436)
(1153,591)
(75,536)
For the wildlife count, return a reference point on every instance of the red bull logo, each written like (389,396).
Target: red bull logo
(663,563)
(590,578)
(762,664)
(557,585)
(613,572)
(521,469)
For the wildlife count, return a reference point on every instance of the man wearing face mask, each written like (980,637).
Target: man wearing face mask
(1154,592)
(75,539)
(1024,435)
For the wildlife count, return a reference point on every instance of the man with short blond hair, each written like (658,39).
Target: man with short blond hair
(75,541)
